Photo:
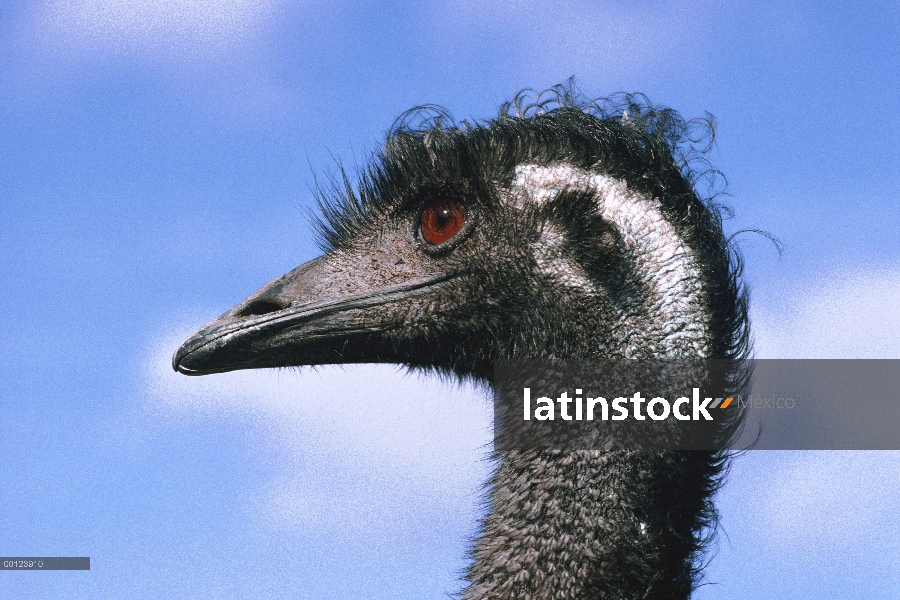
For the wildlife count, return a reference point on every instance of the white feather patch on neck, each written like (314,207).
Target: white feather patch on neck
(666,265)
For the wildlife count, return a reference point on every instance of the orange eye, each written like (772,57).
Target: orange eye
(442,218)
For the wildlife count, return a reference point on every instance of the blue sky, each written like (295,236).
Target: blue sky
(156,163)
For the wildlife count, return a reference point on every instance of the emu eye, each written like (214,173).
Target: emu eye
(441,219)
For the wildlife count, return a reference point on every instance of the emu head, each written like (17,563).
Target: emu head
(569,233)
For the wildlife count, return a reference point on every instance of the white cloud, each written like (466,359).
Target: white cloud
(810,524)
(161,28)
(845,501)
(846,315)
(841,499)
(371,443)
(805,522)
(594,40)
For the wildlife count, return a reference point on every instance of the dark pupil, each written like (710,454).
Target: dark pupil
(442,217)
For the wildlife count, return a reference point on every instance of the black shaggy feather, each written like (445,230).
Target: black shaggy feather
(655,151)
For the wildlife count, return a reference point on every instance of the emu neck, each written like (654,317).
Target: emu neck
(592,524)
(595,524)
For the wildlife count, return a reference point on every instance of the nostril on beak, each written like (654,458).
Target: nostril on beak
(260,307)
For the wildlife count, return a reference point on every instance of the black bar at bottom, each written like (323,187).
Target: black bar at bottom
(45,563)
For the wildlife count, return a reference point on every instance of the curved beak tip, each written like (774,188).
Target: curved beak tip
(210,351)
(192,356)
(178,364)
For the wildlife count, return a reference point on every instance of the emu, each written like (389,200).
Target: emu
(563,228)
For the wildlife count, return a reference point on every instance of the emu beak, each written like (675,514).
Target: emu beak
(322,312)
